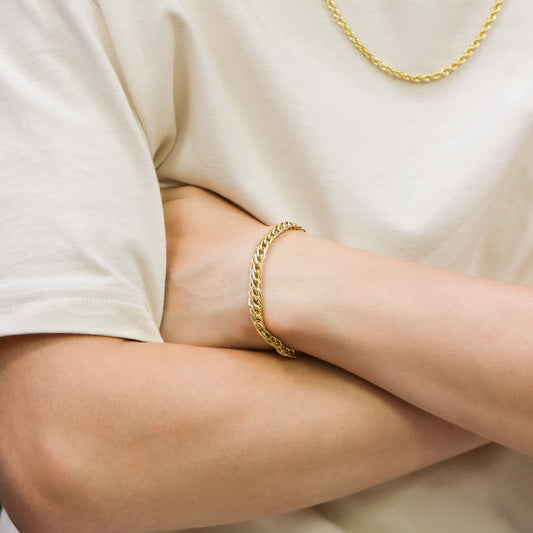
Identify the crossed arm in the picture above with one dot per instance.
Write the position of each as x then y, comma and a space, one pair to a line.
112, 435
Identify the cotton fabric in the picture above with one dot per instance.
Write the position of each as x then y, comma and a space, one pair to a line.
268, 104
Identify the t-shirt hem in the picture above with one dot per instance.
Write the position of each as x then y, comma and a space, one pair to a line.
88, 311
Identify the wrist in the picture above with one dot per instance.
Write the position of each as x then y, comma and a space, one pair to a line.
298, 289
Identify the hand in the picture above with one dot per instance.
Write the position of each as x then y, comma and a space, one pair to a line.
210, 243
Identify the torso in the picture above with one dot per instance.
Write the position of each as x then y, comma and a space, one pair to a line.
268, 104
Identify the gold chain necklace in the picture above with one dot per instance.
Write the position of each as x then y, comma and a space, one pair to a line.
416, 78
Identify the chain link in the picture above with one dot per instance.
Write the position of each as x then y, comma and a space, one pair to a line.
255, 295
416, 78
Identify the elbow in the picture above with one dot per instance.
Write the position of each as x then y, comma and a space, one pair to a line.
42, 487
47, 479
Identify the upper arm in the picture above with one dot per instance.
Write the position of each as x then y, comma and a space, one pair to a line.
82, 242
82, 245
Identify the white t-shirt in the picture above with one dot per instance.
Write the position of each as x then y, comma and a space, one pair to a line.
267, 103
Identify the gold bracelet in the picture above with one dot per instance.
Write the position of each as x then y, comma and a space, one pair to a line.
255, 297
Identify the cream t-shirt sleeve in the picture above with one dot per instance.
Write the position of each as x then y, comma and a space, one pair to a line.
82, 241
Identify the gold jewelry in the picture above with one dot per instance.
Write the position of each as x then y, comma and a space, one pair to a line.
416, 78
255, 296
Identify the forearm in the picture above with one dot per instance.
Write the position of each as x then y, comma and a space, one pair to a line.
457, 346
109, 435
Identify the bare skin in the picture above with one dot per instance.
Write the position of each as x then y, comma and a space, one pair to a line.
102, 434
456, 346
107, 435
